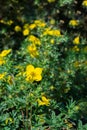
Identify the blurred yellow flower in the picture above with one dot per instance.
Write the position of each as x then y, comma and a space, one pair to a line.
33, 50
8, 120
52, 21
43, 101
5, 53
26, 26
2, 75
2, 21
52, 41
76, 64
76, 40
40, 23
34, 40
33, 74
75, 48
32, 26
10, 22
50, 1
2, 61
52, 32
26, 32
84, 3
17, 28
74, 22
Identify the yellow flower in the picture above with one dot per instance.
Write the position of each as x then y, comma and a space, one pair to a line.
75, 48
33, 74
52, 87
10, 22
43, 101
5, 53
52, 21
76, 64
8, 120
32, 26
33, 50
40, 23
52, 41
84, 3
34, 40
26, 32
74, 22
2, 61
2, 76
17, 28
50, 1
76, 40
52, 32
26, 26
2, 21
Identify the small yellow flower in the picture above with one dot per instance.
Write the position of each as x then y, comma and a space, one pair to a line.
52, 21
43, 101
52, 32
17, 28
34, 40
33, 74
75, 48
40, 23
8, 120
5, 53
84, 3
52, 41
26, 32
51, 1
76, 40
33, 50
76, 64
52, 87
2, 21
10, 22
74, 22
26, 26
32, 26
2, 76
2, 61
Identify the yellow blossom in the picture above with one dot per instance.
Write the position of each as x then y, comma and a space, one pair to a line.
73, 22
5, 53
52, 87
52, 41
76, 64
43, 101
76, 40
26, 32
2, 21
33, 50
17, 28
34, 39
8, 120
2, 75
26, 26
52, 32
50, 1
84, 3
10, 22
75, 48
2, 61
33, 74
32, 26
52, 21
40, 23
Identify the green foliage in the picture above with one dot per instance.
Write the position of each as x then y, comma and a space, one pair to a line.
43, 77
